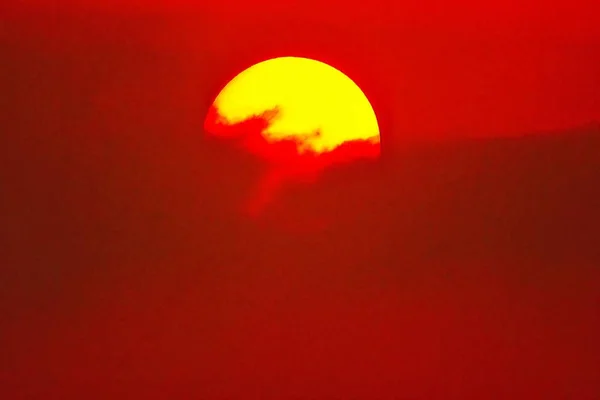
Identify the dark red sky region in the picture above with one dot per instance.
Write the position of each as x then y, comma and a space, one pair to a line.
463, 264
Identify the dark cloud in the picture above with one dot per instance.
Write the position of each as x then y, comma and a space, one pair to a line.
289, 159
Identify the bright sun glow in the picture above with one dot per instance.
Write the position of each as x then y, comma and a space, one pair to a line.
300, 115
306, 101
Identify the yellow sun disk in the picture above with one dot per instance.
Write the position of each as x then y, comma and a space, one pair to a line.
310, 96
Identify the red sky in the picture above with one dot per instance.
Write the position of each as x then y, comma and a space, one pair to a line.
436, 70
461, 270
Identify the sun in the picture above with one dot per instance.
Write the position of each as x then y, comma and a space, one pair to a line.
293, 106
300, 115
